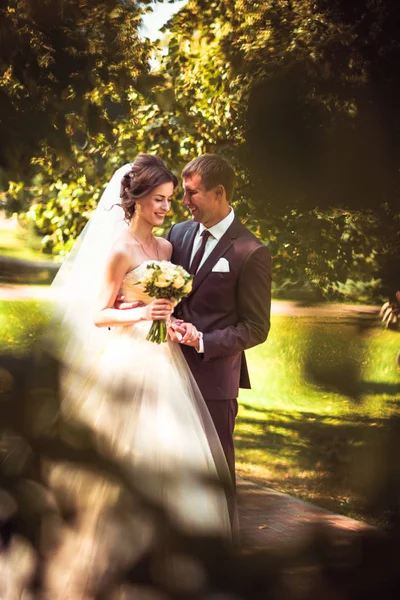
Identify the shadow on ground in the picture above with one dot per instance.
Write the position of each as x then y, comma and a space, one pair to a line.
345, 464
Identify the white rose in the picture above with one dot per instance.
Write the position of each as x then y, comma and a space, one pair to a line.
148, 274
162, 281
188, 287
178, 282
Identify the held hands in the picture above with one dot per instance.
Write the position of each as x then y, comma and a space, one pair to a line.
178, 330
184, 333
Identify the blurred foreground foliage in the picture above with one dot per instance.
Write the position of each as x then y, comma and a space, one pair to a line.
299, 96
73, 521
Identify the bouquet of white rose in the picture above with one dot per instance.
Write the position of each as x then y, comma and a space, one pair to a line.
163, 279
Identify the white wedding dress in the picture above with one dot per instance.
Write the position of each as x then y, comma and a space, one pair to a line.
138, 405
142, 403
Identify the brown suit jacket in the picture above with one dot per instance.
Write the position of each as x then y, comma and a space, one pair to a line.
231, 309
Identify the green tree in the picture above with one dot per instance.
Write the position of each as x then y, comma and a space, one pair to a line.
70, 72
67, 71
300, 95
304, 92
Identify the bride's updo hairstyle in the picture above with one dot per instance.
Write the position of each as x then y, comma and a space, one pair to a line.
147, 172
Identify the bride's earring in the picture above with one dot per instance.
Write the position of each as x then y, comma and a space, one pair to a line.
135, 211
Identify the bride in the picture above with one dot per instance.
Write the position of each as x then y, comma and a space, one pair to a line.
139, 398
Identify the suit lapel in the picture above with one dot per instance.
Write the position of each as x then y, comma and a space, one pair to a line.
187, 245
220, 249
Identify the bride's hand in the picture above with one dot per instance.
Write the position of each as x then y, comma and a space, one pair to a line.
175, 332
158, 310
184, 333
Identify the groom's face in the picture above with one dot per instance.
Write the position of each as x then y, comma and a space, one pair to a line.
202, 203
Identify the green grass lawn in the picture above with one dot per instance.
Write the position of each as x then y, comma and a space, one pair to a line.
319, 422
319, 419
21, 323
19, 243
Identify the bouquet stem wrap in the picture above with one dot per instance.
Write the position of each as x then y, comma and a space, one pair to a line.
163, 279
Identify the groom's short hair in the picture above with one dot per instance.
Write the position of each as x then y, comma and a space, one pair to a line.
213, 170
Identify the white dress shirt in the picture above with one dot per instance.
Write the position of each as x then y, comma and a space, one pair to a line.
216, 231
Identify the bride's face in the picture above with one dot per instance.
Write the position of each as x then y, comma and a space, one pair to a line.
153, 207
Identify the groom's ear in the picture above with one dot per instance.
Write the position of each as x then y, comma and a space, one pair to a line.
219, 191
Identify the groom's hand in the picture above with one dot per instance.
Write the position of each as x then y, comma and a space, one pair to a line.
184, 333
175, 331
120, 303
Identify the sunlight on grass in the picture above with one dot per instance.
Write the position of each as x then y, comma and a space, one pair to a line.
277, 367
321, 388
21, 324
19, 243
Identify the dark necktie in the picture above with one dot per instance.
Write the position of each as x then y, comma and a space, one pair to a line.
200, 252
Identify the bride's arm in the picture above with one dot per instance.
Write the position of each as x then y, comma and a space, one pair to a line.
106, 315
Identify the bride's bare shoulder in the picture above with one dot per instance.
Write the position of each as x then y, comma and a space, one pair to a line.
123, 245
165, 247
124, 250
163, 243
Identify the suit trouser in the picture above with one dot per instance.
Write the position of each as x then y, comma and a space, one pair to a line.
223, 414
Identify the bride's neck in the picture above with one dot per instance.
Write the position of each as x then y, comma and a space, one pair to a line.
141, 230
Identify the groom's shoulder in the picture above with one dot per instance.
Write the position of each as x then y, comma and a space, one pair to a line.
181, 228
246, 239
184, 225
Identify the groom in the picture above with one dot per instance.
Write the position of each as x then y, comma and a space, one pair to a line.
230, 302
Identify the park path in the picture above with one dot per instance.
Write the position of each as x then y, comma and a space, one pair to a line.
272, 520
291, 531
